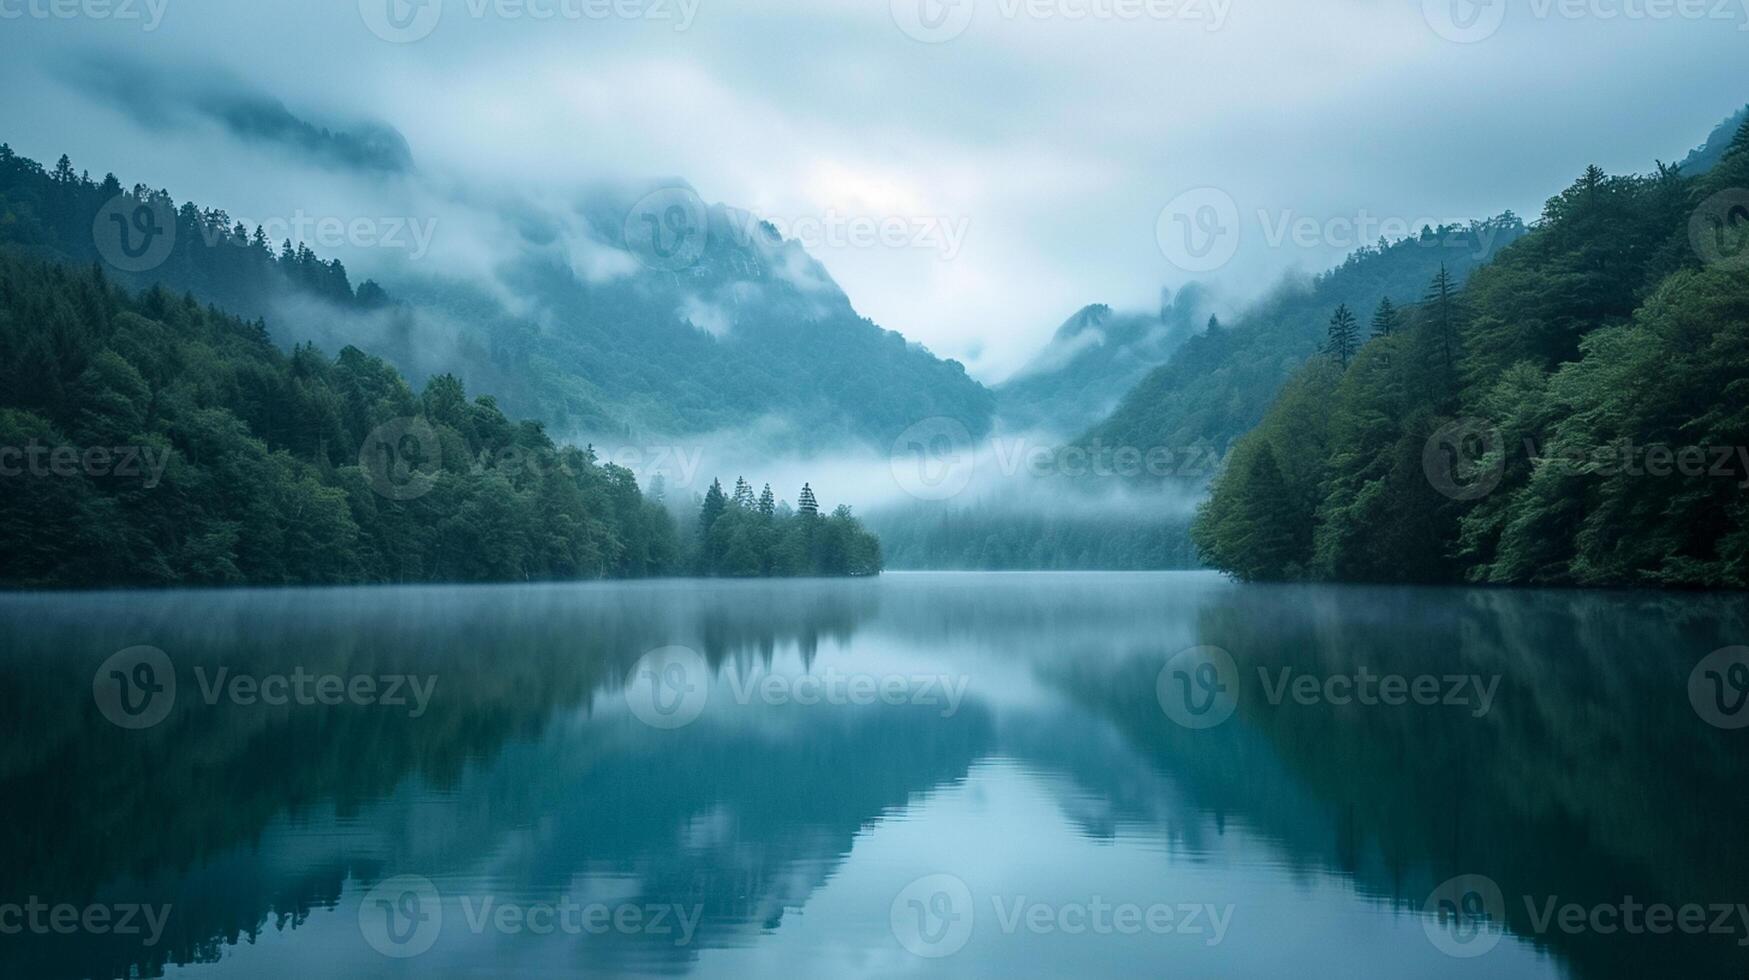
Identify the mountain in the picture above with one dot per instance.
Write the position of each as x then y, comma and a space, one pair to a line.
1218, 384
208, 456
1707, 155
1573, 416
1093, 358
638, 312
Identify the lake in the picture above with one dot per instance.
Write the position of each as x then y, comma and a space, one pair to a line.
926, 774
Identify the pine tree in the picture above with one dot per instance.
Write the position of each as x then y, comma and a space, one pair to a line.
1214, 324
1442, 296
767, 503
806, 504
1266, 533
714, 504
743, 494
1740, 142
1386, 319
1344, 335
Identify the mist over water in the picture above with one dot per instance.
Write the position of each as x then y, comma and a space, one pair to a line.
833, 744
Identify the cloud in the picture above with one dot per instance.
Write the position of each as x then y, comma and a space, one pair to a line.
161, 98
1055, 141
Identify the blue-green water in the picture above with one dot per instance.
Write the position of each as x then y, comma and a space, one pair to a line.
949, 775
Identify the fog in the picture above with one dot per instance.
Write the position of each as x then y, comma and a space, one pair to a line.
934, 468
1014, 173
1049, 137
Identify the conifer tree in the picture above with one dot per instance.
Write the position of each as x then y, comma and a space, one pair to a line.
714, 504
1386, 319
806, 504
767, 503
1740, 142
1266, 531
1344, 335
1442, 296
743, 493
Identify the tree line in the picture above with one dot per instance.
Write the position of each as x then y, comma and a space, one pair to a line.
1574, 414
741, 535
627, 361
287, 467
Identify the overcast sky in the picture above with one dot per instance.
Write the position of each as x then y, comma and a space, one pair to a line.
1018, 154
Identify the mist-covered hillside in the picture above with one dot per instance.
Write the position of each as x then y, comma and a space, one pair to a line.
1092, 359
1217, 385
637, 312
1574, 416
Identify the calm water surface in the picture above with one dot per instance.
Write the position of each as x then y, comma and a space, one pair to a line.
926, 774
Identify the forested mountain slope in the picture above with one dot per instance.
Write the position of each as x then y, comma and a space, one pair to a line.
685, 319
154, 441
1092, 359
1577, 414
1218, 384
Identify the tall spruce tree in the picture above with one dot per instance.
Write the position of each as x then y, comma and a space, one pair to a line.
767, 503
1386, 319
1442, 300
1266, 531
1343, 335
714, 505
806, 504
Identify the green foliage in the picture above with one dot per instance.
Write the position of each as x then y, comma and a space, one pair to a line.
1386, 318
212, 256
1601, 372
740, 537
1343, 335
1217, 386
1278, 454
248, 459
754, 331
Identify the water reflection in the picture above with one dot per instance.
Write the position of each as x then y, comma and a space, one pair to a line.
528, 779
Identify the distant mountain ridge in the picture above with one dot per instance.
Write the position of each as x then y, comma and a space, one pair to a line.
1707, 155
1092, 359
1218, 384
643, 313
